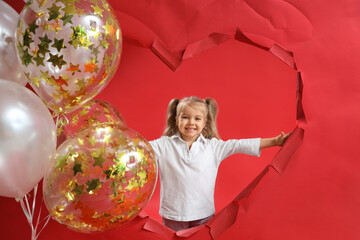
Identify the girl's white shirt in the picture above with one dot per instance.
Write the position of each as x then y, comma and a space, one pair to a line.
187, 177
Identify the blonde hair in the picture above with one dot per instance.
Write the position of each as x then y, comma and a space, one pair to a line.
210, 111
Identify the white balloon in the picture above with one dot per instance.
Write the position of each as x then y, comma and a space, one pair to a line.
27, 139
10, 68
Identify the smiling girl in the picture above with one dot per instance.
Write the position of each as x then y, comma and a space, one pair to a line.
189, 154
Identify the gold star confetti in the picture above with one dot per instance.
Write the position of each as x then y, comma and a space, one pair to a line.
26, 38
81, 83
45, 41
41, 2
54, 12
84, 112
55, 26
132, 184
92, 141
67, 19
78, 189
26, 58
104, 43
35, 81
57, 60
79, 37
58, 44
93, 185
33, 27
95, 51
109, 28
97, 10
39, 60
77, 168
99, 160
61, 161
45, 75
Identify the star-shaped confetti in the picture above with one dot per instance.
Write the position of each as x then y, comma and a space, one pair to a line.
33, 27
99, 160
111, 173
92, 141
107, 138
97, 10
54, 12
55, 26
42, 50
83, 112
95, 51
132, 184
73, 68
78, 189
104, 43
81, 83
109, 28
69, 8
58, 44
67, 19
39, 60
93, 185
61, 161
35, 81
26, 38
77, 168
40, 2
57, 60
79, 37
26, 58
45, 41
45, 75
90, 67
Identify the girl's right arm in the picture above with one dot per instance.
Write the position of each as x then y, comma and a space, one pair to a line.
275, 141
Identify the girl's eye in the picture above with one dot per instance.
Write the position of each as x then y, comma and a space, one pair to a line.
184, 117
197, 119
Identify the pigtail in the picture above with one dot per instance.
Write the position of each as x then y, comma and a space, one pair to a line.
210, 129
171, 127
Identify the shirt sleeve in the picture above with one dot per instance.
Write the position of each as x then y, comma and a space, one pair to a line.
155, 144
223, 149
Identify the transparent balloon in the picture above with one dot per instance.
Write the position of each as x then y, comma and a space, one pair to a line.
101, 178
69, 50
10, 68
92, 113
27, 139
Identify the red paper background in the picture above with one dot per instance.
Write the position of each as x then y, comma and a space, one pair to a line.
316, 196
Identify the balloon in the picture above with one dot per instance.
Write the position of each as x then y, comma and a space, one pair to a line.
69, 50
90, 114
10, 68
101, 178
27, 139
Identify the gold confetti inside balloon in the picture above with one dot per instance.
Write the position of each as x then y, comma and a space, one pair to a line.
101, 178
92, 113
69, 49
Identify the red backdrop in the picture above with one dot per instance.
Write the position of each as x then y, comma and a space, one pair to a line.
176, 49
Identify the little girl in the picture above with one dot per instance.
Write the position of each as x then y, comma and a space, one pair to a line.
189, 154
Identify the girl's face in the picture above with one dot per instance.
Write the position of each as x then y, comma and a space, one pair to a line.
190, 122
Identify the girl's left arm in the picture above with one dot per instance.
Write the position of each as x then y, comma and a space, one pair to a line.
275, 141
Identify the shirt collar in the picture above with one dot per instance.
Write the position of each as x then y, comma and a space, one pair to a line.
200, 138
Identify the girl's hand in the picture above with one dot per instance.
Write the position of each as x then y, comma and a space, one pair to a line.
275, 141
281, 139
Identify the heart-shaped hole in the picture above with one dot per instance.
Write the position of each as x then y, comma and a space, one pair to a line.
255, 91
